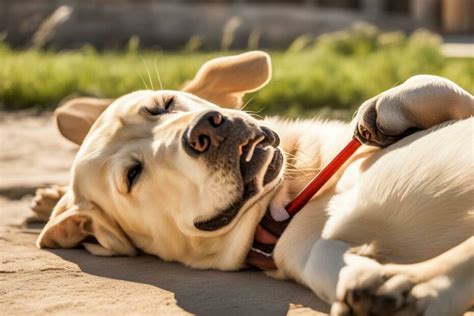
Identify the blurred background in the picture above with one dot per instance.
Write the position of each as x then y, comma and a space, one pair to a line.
328, 55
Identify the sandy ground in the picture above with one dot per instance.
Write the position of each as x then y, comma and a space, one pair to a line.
32, 153
73, 282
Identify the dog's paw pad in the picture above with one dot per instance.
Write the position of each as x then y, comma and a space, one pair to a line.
357, 283
368, 288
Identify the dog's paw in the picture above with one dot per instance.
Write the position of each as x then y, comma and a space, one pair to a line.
381, 121
44, 201
368, 288
421, 102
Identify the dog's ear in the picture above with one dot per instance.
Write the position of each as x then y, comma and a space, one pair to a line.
225, 80
75, 117
71, 223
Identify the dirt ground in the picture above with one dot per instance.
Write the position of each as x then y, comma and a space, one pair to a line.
73, 282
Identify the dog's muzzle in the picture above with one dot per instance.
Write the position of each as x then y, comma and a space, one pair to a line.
243, 145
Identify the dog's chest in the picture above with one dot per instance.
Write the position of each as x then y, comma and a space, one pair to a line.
351, 175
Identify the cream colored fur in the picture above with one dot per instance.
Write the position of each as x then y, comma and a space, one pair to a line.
391, 231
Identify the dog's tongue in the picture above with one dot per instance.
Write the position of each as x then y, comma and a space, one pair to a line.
264, 237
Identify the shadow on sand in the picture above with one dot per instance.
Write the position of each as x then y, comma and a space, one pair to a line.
201, 292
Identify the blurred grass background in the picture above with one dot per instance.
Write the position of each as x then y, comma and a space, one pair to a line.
329, 76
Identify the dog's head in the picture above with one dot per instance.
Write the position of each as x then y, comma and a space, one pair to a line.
173, 174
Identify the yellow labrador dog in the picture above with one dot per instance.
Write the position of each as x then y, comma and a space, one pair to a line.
187, 176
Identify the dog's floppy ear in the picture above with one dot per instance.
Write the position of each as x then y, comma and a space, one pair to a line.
225, 80
75, 117
71, 223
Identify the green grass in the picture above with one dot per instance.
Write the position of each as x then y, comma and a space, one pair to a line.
330, 76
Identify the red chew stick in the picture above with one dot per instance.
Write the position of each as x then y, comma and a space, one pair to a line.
322, 177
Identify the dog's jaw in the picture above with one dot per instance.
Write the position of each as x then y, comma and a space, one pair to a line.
233, 242
259, 180
251, 189
236, 243
250, 153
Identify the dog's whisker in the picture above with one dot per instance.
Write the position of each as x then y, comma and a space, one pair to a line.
289, 154
158, 73
253, 114
297, 157
252, 111
301, 170
300, 164
298, 153
261, 109
144, 83
256, 116
148, 72
299, 160
248, 102
296, 174
298, 170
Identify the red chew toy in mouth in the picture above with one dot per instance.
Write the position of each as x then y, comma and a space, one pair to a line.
322, 177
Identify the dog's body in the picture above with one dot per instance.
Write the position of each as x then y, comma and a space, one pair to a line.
385, 200
207, 175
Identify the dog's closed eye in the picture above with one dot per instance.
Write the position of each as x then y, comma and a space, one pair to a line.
158, 108
133, 173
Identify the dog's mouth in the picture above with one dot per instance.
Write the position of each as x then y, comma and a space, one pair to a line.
253, 158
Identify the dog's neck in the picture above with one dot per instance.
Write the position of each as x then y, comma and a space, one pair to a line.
308, 146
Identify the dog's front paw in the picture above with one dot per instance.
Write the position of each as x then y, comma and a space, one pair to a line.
44, 201
421, 102
380, 121
368, 288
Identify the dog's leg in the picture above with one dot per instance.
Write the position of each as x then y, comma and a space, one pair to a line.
318, 265
44, 201
443, 285
322, 268
302, 254
421, 102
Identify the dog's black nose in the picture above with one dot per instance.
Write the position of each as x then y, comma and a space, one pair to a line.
207, 131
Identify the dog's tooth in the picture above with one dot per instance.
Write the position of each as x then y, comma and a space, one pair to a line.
279, 214
252, 148
241, 148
